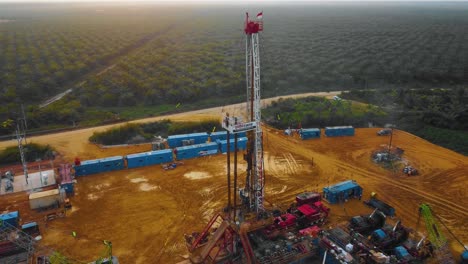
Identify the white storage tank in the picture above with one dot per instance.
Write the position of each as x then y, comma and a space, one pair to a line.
44, 199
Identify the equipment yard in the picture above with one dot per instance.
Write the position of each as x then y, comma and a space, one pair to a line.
146, 211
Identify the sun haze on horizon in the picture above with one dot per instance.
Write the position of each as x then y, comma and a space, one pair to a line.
215, 1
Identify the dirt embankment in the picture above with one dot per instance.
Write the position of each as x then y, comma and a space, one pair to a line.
146, 211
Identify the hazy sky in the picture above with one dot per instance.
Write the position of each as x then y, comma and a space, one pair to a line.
227, 1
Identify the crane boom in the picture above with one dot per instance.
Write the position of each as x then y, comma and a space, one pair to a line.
437, 239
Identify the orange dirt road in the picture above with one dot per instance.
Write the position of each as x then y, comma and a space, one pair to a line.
146, 211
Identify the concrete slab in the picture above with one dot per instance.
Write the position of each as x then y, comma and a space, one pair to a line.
35, 180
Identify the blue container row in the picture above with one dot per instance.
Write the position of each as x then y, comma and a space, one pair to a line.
339, 131
241, 144
309, 133
149, 158
88, 167
193, 151
175, 141
222, 135
342, 191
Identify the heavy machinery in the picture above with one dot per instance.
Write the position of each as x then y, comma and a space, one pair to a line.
367, 224
437, 239
382, 206
388, 237
107, 257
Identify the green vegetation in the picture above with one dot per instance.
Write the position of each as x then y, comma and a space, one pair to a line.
438, 115
452, 139
125, 62
139, 133
321, 112
32, 152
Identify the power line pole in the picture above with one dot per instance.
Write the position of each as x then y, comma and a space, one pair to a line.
24, 123
20, 135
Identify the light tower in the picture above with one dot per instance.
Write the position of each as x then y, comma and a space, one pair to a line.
253, 193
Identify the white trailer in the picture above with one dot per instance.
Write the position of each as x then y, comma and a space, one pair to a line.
44, 199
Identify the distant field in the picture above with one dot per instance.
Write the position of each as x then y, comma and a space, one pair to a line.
145, 55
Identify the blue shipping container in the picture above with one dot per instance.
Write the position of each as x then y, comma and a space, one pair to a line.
241, 144
222, 135
69, 187
111, 164
342, 191
309, 133
189, 152
88, 167
339, 131
175, 141
11, 218
401, 252
136, 160
149, 158
159, 157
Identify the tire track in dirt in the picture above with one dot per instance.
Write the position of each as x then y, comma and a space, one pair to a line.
443, 203
435, 199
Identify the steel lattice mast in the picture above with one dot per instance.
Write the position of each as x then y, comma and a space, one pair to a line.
252, 63
253, 194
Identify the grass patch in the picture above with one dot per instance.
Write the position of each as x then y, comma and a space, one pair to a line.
320, 112
140, 133
32, 152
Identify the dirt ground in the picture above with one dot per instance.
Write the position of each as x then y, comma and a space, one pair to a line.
146, 211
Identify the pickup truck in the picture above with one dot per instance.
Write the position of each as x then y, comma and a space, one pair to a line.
384, 132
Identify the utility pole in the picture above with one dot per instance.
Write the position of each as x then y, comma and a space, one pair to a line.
391, 138
24, 123
20, 135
